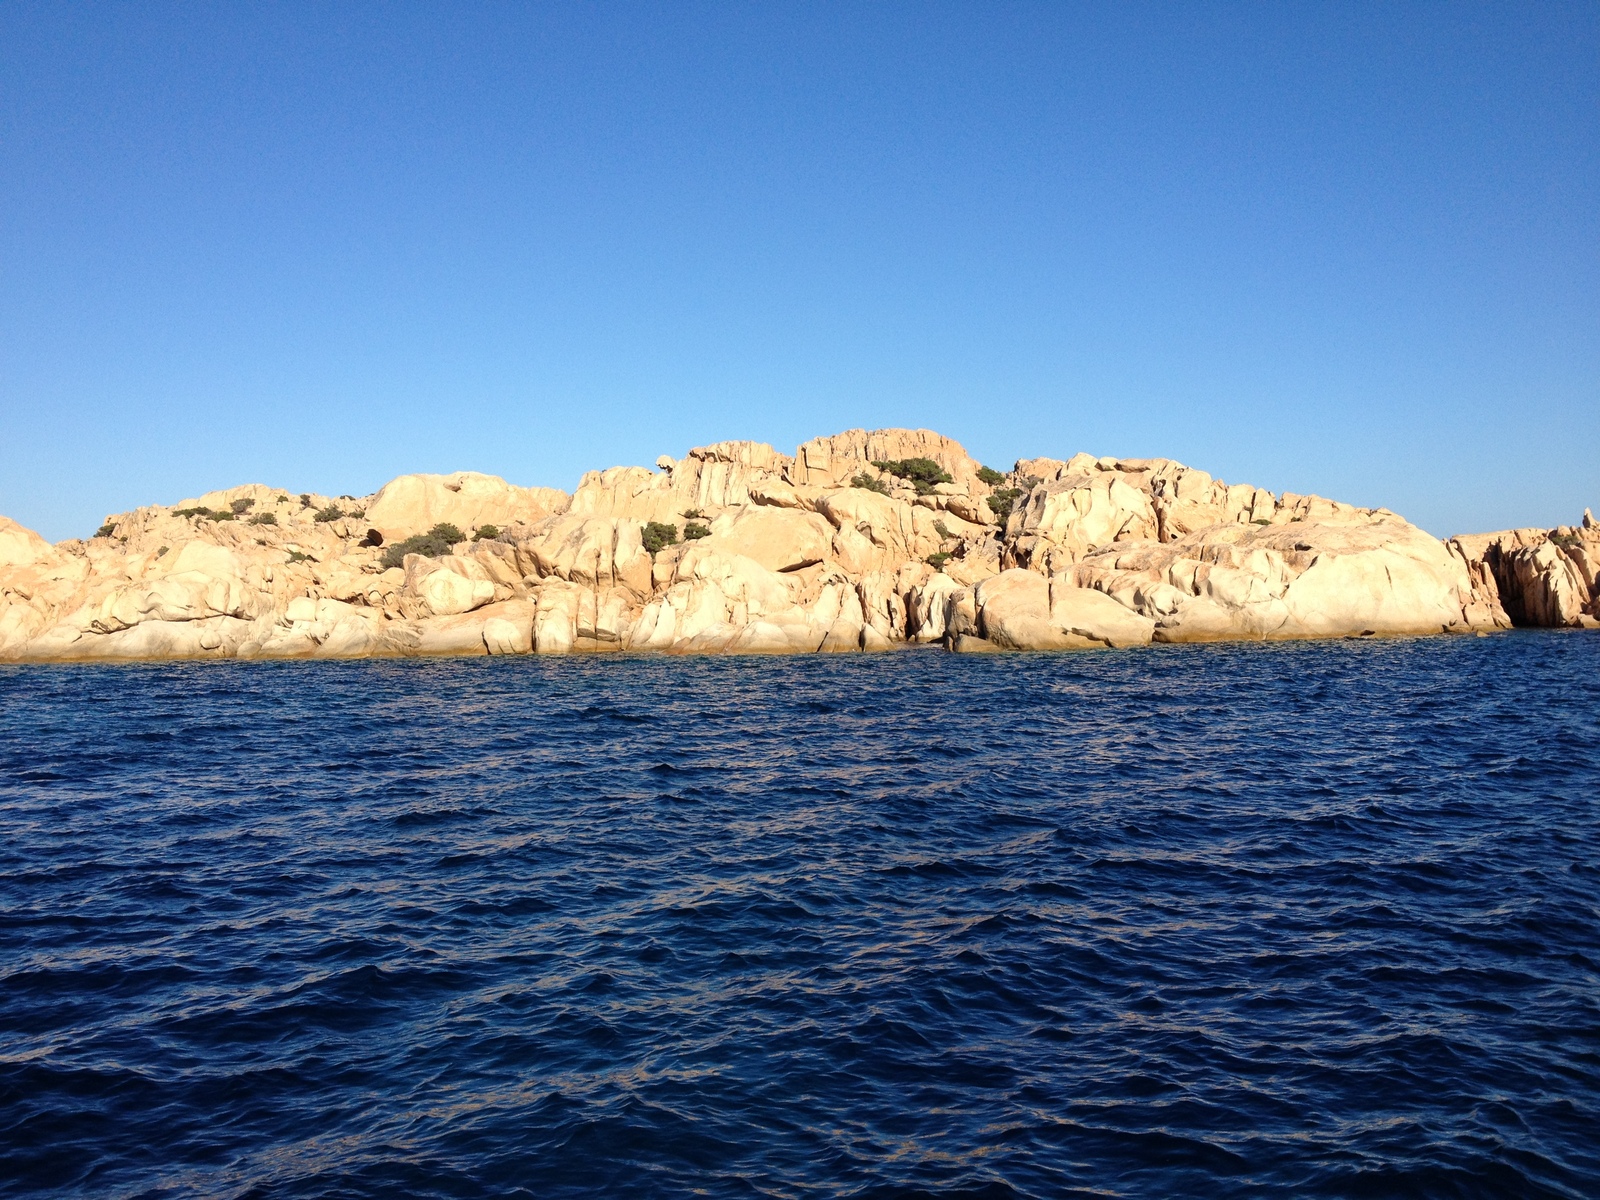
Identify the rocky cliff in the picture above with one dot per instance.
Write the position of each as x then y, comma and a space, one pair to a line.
861, 541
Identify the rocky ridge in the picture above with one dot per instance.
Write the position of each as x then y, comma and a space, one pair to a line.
860, 541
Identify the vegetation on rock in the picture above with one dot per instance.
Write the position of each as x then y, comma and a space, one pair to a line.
332, 513
434, 544
870, 483
209, 514
264, 519
990, 476
693, 531
658, 535
1001, 503
486, 533
242, 506
920, 473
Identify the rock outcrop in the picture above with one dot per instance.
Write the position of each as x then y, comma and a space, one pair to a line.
1541, 577
860, 541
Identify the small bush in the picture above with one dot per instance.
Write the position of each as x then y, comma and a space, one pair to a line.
1567, 541
657, 536
162, 551
937, 561
264, 519
942, 530
870, 484
434, 544
296, 556
1261, 521
305, 499
242, 506
694, 514
990, 476
106, 530
1002, 502
693, 532
332, 513
920, 473
208, 514
486, 533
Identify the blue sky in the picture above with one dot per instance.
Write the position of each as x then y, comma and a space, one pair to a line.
1345, 249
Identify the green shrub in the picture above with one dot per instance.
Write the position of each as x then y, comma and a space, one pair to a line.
434, 544
264, 519
1002, 502
870, 483
106, 530
332, 513
1567, 541
305, 499
242, 506
657, 536
209, 514
1262, 521
990, 476
162, 551
485, 533
942, 530
937, 561
694, 514
693, 532
920, 473
296, 556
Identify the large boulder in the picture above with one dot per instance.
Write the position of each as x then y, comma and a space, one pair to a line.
780, 539
1356, 574
1021, 610
413, 504
834, 461
22, 547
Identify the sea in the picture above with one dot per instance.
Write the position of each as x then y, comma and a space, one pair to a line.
1308, 919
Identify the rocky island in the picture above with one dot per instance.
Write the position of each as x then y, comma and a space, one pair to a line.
858, 542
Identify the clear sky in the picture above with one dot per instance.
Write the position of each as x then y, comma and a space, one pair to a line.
1345, 249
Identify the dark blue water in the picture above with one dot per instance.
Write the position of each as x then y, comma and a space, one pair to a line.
1296, 920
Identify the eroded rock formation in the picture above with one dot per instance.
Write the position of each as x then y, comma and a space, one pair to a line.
1542, 577
861, 541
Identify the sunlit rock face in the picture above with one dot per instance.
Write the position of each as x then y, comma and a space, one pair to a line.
857, 542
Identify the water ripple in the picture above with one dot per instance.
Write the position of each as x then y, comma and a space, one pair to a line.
1311, 920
